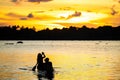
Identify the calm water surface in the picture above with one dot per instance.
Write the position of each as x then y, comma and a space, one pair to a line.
72, 60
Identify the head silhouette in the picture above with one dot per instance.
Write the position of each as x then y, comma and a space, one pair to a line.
39, 54
42, 52
46, 59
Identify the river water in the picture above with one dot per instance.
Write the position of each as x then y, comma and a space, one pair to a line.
72, 60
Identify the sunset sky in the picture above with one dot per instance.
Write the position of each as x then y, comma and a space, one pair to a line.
59, 13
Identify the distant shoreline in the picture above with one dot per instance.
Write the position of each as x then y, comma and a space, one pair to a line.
71, 33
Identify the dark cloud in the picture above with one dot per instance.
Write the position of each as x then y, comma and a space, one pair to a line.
39, 11
14, 0
5, 19
75, 14
34, 0
114, 12
117, 1
17, 16
113, 9
23, 18
39, 0
13, 15
18, 1
45, 0
30, 15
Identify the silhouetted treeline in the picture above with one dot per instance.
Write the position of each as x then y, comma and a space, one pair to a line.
71, 33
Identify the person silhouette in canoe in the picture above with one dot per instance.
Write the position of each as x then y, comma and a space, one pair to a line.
48, 71
39, 63
48, 67
45, 69
40, 57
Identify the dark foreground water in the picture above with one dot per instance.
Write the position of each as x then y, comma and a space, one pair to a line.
72, 60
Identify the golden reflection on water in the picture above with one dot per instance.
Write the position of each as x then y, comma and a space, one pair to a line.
87, 66
68, 66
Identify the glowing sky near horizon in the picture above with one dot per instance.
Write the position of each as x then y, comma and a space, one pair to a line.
59, 13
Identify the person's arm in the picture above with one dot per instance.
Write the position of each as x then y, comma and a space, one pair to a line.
43, 55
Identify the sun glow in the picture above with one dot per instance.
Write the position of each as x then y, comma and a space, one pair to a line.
87, 17
40, 13
84, 17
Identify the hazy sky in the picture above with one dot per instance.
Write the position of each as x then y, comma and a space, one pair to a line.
59, 13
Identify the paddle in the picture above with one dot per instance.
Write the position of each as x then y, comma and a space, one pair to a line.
34, 67
42, 56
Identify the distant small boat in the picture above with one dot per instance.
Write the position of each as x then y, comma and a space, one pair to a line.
19, 42
9, 43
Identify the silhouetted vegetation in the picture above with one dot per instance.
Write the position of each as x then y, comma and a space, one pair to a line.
71, 33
